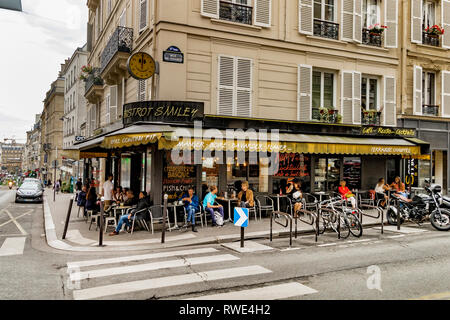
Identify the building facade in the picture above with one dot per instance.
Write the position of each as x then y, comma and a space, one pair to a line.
11, 156
32, 147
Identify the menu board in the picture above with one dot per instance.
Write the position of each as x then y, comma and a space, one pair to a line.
177, 179
411, 173
293, 165
352, 173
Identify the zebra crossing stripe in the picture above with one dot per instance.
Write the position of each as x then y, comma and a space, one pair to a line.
77, 276
141, 285
12, 246
97, 262
280, 291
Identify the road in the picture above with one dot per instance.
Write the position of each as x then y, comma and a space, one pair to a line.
395, 265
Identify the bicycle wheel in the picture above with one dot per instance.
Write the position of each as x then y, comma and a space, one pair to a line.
343, 227
323, 222
354, 225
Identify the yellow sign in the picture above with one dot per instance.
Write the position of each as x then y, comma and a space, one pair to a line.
419, 156
90, 155
388, 131
141, 66
128, 140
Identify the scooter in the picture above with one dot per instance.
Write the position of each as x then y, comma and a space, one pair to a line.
10, 185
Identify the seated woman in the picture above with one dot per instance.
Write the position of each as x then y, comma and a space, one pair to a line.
245, 196
81, 199
126, 218
296, 195
381, 188
346, 194
91, 200
400, 189
117, 195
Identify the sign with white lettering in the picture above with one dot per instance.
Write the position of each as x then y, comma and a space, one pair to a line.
173, 54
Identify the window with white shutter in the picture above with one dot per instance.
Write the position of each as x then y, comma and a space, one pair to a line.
445, 15
108, 104
263, 13
357, 21
235, 86
445, 94
356, 97
305, 16
390, 106
416, 21
142, 14
304, 89
391, 21
347, 97
210, 8
417, 90
142, 88
347, 20
113, 103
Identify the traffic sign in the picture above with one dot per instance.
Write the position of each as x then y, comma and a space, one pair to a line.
241, 217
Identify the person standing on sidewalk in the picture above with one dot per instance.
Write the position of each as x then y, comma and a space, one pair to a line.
108, 188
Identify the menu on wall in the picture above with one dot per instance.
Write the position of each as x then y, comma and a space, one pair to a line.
293, 165
177, 179
411, 179
352, 173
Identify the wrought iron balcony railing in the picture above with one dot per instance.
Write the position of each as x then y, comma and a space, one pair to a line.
235, 12
326, 29
371, 38
93, 79
430, 110
120, 41
370, 118
430, 39
325, 115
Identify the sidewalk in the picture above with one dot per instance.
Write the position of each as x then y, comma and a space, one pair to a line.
80, 238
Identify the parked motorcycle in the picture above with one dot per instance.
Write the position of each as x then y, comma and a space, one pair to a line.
422, 206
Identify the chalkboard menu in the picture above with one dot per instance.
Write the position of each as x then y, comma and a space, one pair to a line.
293, 165
352, 173
177, 178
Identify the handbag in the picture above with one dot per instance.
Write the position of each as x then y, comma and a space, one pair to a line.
297, 195
218, 217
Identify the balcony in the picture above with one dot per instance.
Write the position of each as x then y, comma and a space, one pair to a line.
93, 86
371, 118
326, 29
114, 57
235, 12
430, 39
371, 39
430, 110
325, 115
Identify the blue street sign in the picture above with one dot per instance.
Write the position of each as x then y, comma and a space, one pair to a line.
241, 217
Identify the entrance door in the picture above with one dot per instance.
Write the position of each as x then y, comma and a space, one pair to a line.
136, 173
327, 173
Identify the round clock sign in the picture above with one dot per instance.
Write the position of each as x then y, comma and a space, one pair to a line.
141, 66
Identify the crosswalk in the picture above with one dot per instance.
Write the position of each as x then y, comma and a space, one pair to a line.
13, 246
149, 273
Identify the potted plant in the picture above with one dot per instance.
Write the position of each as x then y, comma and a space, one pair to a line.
434, 31
376, 29
85, 72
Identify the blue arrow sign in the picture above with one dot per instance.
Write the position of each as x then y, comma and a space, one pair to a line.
241, 217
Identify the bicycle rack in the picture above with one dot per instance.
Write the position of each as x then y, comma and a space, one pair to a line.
288, 218
313, 220
368, 206
331, 211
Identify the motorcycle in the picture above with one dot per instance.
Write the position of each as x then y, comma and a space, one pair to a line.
10, 185
422, 206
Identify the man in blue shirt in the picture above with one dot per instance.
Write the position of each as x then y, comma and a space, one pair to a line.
191, 204
208, 203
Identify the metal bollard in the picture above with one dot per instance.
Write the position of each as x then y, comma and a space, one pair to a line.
163, 234
398, 216
271, 218
69, 211
100, 235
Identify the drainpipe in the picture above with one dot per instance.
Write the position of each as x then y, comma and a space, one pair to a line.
155, 9
403, 57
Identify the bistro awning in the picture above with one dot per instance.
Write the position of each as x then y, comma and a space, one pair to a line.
135, 135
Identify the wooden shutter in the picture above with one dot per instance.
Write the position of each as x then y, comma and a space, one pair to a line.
356, 97
347, 96
390, 106
445, 94
416, 21
142, 14
210, 8
417, 90
226, 86
445, 15
391, 21
357, 21
243, 87
305, 16
142, 88
89, 37
304, 93
263, 13
347, 20
113, 103
108, 104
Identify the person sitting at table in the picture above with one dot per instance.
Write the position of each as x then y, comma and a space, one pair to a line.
400, 189
381, 188
126, 218
209, 205
296, 195
131, 200
117, 195
81, 199
91, 200
191, 204
245, 196
283, 187
346, 194
124, 194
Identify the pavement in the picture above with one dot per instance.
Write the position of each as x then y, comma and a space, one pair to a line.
80, 238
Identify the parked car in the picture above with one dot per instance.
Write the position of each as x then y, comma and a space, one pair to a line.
33, 180
30, 191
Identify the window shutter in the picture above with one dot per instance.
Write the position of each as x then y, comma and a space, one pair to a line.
357, 21
347, 97
416, 21
305, 16
356, 97
142, 87
445, 15
417, 91
123, 18
391, 21
210, 8
243, 87
304, 93
263, 13
142, 14
347, 20
113, 103
445, 94
108, 104
226, 86
390, 107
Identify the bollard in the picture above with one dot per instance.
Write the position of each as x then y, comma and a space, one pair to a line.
66, 225
242, 237
339, 226
271, 218
398, 217
163, 233
100, 235
382, 221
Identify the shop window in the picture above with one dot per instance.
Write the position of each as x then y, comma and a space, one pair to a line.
293, 165
327, 173
177, 178
125, 172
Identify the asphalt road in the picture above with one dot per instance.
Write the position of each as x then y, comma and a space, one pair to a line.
389, 266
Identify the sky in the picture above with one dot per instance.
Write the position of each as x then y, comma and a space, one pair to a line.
34, 44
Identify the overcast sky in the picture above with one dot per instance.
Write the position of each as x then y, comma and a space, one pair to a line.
34, 43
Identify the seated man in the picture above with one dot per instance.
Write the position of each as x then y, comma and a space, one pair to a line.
347, 194
245, 196
191, 204
81, 199
142, 204
208, 203
131, 200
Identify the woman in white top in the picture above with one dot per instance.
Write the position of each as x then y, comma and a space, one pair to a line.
381, 187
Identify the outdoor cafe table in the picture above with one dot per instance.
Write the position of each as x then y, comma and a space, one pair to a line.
122, 210
228, 202
276, 198
174, 207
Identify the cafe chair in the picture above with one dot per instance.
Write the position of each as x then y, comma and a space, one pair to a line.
197, 214
108, 224
310, 202
156, 216
94, 217
140, 218
264, 203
